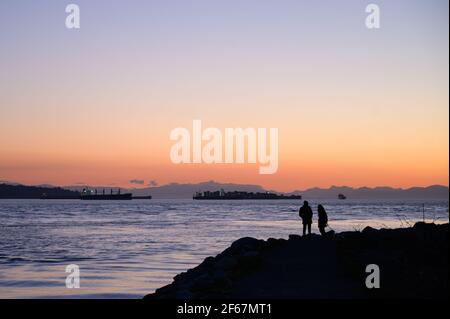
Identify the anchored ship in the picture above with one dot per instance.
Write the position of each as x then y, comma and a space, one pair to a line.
222, 195
89, 194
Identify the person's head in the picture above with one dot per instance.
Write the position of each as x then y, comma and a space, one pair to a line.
305, 203
320, 209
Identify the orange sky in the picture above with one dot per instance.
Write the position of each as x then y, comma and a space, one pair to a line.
353, 106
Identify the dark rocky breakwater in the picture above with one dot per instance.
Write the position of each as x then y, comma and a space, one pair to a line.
413, 263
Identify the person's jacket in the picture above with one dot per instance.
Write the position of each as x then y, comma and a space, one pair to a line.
323, 218
306, 214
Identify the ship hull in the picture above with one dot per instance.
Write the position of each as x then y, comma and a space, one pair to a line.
245, 197
142, 197
107, 197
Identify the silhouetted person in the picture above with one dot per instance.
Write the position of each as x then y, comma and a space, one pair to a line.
323, 219
306, 214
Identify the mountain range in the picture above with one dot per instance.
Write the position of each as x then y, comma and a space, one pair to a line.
182, 191
187, 190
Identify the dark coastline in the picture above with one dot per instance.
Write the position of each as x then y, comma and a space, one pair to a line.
413, 263
35, 192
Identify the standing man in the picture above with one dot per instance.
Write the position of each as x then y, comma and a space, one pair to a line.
306, 214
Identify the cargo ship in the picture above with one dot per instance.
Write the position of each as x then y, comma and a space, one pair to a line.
88, 194
222, 195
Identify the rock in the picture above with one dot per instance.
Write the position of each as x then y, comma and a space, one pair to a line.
183, 294
226, 263
369, 230
248, 261
202, 283
421, 226
208, 261
219, 274
247, 243
249, 254
414, 262
349, 236
330, 234
164, 289
313, 237
221, 280
272, 242
180, 276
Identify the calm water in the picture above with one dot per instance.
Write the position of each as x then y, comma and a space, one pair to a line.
128, 249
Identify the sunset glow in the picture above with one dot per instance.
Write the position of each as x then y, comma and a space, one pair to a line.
353, 107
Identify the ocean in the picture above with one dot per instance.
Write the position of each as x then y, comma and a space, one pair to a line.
126, 249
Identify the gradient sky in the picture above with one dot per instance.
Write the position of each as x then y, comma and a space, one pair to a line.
353, 106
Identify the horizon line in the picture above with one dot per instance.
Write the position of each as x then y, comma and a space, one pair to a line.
224, 183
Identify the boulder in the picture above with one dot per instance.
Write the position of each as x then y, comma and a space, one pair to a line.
226, 263
295, 237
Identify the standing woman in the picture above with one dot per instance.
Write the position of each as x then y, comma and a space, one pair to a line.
323, 219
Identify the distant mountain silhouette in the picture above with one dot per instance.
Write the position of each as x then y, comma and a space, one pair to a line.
185, 191
175, 190
430, 192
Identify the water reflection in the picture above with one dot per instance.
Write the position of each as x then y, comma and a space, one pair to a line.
129, 249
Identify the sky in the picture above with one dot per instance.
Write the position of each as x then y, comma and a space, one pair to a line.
353, 106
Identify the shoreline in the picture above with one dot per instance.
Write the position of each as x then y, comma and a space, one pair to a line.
413, 263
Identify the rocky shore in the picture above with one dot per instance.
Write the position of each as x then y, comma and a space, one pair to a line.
413, 263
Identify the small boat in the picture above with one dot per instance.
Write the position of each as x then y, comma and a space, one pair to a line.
342, 196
